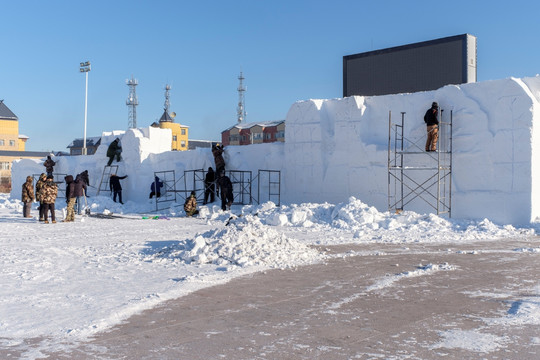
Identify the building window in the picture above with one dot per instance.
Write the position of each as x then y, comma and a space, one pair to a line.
267, 136
2, 143
183, 132
257, 136
233, 138
183, 143
174, 138
280, 134
4, 165
11, 142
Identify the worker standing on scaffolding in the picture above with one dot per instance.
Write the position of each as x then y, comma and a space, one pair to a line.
218, 151
432, 122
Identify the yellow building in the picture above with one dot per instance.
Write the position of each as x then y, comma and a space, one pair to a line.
9, 130
12, 146
179, 132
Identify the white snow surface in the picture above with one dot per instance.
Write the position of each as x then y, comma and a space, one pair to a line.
64, 282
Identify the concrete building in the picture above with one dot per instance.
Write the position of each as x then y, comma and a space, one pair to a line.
254, 133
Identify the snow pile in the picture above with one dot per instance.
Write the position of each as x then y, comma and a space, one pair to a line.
244, 242
368, 224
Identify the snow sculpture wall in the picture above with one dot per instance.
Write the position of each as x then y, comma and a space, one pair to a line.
338, 148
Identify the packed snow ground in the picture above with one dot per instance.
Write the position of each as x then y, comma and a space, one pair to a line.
64, 282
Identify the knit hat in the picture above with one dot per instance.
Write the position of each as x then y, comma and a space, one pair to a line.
434, 105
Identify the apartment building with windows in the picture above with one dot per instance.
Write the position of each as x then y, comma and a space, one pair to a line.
254, 133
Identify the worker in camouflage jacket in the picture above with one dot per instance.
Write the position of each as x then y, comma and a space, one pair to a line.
49, 193
190, 206
49, 163
39, 193
27, 196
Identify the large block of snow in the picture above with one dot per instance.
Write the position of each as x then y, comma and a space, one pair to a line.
495, 148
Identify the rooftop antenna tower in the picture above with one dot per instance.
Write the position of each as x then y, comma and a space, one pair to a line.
241, 109
167, 103
132, 102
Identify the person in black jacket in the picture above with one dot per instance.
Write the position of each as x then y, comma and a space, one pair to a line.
226, 187
86, 180
70, 198
116, 188
432, 122
209, 186
155, 187
114, 149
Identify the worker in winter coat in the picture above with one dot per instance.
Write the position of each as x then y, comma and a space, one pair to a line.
190, 206
209, 186
86, 180
39, 194
116, 188
79, 192
70, 198
49, 163
49, 193
155, 187
114, 149
27, 196
218, 151
432, 122
226, 188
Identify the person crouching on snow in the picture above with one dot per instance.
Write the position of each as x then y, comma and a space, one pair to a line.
190, 206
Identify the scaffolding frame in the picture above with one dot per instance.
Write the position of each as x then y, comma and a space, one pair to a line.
273, 185
105, 177
414, 174
193, 180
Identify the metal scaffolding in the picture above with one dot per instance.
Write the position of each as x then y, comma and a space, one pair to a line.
105, 177
415, 175
178, 189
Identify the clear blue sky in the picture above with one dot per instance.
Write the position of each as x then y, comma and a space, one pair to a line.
287, 50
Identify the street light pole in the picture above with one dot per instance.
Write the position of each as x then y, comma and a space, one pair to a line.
85, 68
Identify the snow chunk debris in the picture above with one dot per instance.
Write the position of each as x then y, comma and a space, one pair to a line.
245, 242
